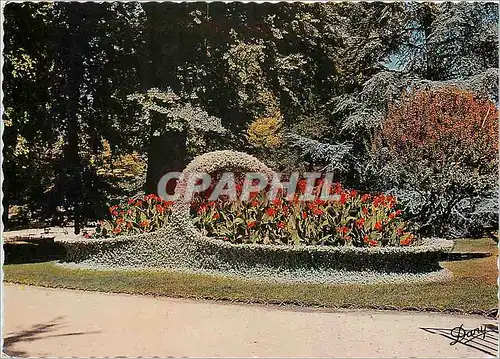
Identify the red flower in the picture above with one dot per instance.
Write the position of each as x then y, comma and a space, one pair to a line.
255, 203
304, 215
138, 203
131, 201
353, 193
407, 241
365, 197
395, 214
149, 196
281, 225
318, 212
277, 202
343, 198
302, 185
253, 194
366, 239
320, 182
159, 208
270, 212
114, 213
251, 224
144, 223
391, 201
360, 223
337, 189
378, 226
344, 230
364, 210
319, 202
202, 209
379, 200
117, 230
373, 243
216, 215
208, 193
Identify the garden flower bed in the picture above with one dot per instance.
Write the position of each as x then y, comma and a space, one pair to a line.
354, 233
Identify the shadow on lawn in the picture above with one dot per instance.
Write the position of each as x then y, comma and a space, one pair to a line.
456, 256
36, 332
487, 345
32, 250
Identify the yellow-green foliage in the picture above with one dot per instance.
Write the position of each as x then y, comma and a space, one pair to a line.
21, 148
266, 132
22, 64
121, 167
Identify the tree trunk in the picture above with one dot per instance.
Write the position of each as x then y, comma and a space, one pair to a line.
74, 42
167, 152
74, 175
5, 202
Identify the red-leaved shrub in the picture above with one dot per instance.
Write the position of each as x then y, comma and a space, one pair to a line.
439, 147
444, 125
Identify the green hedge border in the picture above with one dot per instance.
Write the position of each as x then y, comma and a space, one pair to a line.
168, 248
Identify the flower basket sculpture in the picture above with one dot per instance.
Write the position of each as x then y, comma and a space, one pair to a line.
181, 246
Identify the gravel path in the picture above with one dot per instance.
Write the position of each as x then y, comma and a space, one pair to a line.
40, 322
47, 232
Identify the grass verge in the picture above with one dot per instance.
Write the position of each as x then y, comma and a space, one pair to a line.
473, 287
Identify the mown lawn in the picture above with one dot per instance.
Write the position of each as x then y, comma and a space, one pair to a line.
472, 288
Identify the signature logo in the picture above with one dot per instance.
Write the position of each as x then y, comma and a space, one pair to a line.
463, 336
